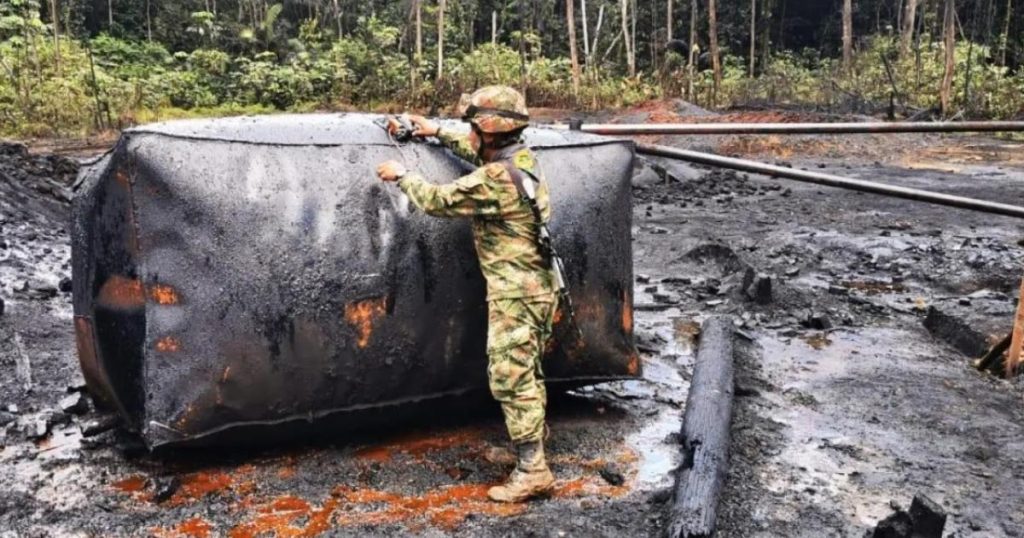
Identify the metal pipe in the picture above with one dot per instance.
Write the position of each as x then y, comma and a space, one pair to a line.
832, 181
798, 128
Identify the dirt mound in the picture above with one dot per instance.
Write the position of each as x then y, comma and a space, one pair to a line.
34, 186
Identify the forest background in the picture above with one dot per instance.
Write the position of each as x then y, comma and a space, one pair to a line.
77, 67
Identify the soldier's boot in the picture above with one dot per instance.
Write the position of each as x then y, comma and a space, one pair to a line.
530, 478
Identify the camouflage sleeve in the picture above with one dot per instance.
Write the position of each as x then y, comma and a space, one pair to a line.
459, 144
469, 196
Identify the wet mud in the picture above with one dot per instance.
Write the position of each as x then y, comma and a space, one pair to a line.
845, 401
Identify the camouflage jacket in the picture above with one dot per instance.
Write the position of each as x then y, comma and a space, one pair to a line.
504, 229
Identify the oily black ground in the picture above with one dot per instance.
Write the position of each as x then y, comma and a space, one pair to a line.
845, 402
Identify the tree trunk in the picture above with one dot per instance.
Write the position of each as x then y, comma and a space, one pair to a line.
753, 36
907, 35
337, 17
414, 68
766, 33
586, 32
847, 36
692, 52
633, 35
1004, 38
668, 20
716, 64
597, 31
950, 45
523, 81
419, 32
494, 27
55, 15
149, 22
440, 38
110, 14
574, 60
630, 58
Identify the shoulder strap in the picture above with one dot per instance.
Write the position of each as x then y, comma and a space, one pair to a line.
529, 194
527, 190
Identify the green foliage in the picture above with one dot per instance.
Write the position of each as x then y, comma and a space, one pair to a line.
252, 57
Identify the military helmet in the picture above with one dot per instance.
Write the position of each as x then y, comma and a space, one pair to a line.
495, 109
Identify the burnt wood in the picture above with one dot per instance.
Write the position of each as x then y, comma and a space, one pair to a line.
705, 434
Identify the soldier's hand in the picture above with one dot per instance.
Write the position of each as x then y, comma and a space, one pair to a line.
390, 171
393, 126
423, 126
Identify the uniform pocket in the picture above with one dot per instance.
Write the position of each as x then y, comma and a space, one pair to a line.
500, 339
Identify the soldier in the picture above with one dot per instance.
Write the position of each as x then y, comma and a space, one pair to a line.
521, 289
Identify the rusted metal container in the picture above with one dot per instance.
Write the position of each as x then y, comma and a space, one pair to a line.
238, 275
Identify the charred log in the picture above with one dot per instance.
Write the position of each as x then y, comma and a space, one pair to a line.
705, 434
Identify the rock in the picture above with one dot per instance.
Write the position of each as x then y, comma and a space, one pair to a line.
660, 496
760, 290
666, 298
643, 279
13, 409
896, 525
748, 279
74, 404
792, 271
6, 418
65, 285
165, 488
611, 475
928, 517
817, 321
99, 425
1, 306
37, 290
37, 429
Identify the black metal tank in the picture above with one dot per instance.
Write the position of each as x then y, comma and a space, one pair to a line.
237, 275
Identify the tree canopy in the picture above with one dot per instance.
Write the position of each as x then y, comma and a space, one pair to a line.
74, 66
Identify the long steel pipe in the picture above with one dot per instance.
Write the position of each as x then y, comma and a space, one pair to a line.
832, 181
798, 128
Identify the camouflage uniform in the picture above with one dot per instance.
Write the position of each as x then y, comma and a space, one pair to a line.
521, 292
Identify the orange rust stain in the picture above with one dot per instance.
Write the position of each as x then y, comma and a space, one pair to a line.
195, 486
634, 364
590, 309
168, 344
196, 527
557, 317
122, 178
361, 315
132, 484
445, 507
585, 487
282, 517
286, 472
627, 318
163, 294
122, 293
419, 445
287, 503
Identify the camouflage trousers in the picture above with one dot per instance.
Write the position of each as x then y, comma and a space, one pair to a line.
517, 333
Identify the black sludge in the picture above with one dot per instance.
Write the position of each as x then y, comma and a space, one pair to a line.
255, 272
